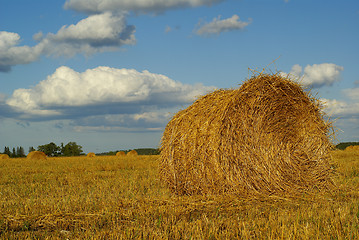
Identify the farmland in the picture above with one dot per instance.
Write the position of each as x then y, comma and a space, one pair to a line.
108, 197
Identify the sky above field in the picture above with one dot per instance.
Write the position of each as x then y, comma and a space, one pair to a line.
110, 74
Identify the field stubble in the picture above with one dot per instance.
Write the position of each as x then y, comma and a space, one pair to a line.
122, 198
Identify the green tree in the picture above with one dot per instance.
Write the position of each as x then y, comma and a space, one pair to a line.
50, 149
31, 149
7, 151
71, 149
20, 152
344, 145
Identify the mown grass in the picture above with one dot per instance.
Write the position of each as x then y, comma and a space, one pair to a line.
122, 198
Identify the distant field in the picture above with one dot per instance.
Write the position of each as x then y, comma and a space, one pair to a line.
106, 197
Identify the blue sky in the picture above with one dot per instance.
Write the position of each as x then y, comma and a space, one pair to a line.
110, 74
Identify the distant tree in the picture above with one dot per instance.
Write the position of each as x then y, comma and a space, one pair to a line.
50, 149
20, 152
31, 149
7, 151
71, 149
13, 154
147, 151
344, 145
140, 151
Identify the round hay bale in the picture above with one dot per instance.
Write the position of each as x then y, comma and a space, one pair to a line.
267, 137
353, 148
120, 154
91, 154
4, 156
36, 155
132, 153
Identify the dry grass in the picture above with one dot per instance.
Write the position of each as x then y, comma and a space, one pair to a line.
105, 197
266, 137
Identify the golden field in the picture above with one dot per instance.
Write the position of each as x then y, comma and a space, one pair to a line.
108, 197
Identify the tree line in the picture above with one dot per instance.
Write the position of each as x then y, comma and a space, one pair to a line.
73, 149
18, 152
344, 145
140, 151
50, 149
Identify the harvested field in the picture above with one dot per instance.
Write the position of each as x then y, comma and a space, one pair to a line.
111, 198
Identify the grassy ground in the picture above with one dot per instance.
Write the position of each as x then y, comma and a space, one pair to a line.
122, 198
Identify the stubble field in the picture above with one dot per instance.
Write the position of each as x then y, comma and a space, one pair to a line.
107, 197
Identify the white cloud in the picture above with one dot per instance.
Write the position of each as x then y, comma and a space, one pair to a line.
168, 29
95, 6
316, 75
96, 33
153, 117
101, 90
218, 25
296, 70
2, 98
345, 116
11, 54
145, 121
8, 39
338, 108
38, 36
353, 93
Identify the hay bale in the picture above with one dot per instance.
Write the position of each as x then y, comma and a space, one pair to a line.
91, 154
120, 154
36, 155
4, 156
266, 137
353, 148
132, 153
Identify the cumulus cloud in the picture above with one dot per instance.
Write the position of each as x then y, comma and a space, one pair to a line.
353, 93
11, 54
96, 33
341, 109
346, 115
146, 121
317, 75
219, 25
102, 90
144, 6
